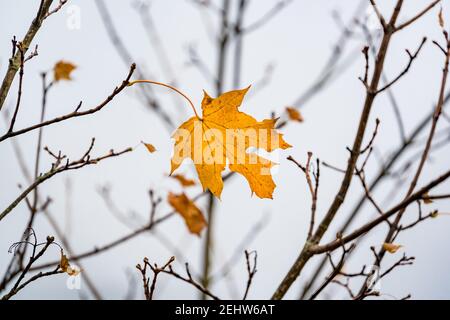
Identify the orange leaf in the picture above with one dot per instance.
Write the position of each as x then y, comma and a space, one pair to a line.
189, 211
62, 70
294, 114
151, 148
185, 182
64, 263
224, 133
390, 247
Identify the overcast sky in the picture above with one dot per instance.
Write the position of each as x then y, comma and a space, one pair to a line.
296, 43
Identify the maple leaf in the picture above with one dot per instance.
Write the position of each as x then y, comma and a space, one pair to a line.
62, 70
294, 114
390, 247
191, 214
151, 148
185, 182
225, 133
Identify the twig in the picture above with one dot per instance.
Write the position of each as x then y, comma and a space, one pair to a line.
76, 113
126, 57
267, 16
367, 227
58, 168
313, 189
19, 93
335, 272
379, 15
412, 57
251, 270
149, 291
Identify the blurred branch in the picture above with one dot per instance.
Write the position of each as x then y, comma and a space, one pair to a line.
126, 57
58, 167
245, 242
332, 67
121, 240
222, 50
281, 4
238, 47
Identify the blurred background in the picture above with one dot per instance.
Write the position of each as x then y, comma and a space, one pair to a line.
305, 54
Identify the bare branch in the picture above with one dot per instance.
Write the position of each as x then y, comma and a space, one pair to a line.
416, 17
76, 113
251, 270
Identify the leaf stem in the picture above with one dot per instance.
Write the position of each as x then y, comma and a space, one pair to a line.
170, 87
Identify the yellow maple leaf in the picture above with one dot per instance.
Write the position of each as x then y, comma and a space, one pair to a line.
390, 247
185, 182
151, 148
294, 114
225, 133
191, 214
62, 70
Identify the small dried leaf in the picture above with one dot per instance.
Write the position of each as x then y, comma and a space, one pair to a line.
151, 148
64, 263
434, 214
441, 18
390, 247
189, 211
62, 70
185, 182
294, 114
426, 199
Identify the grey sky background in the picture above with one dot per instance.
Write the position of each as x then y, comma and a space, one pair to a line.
297, 42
